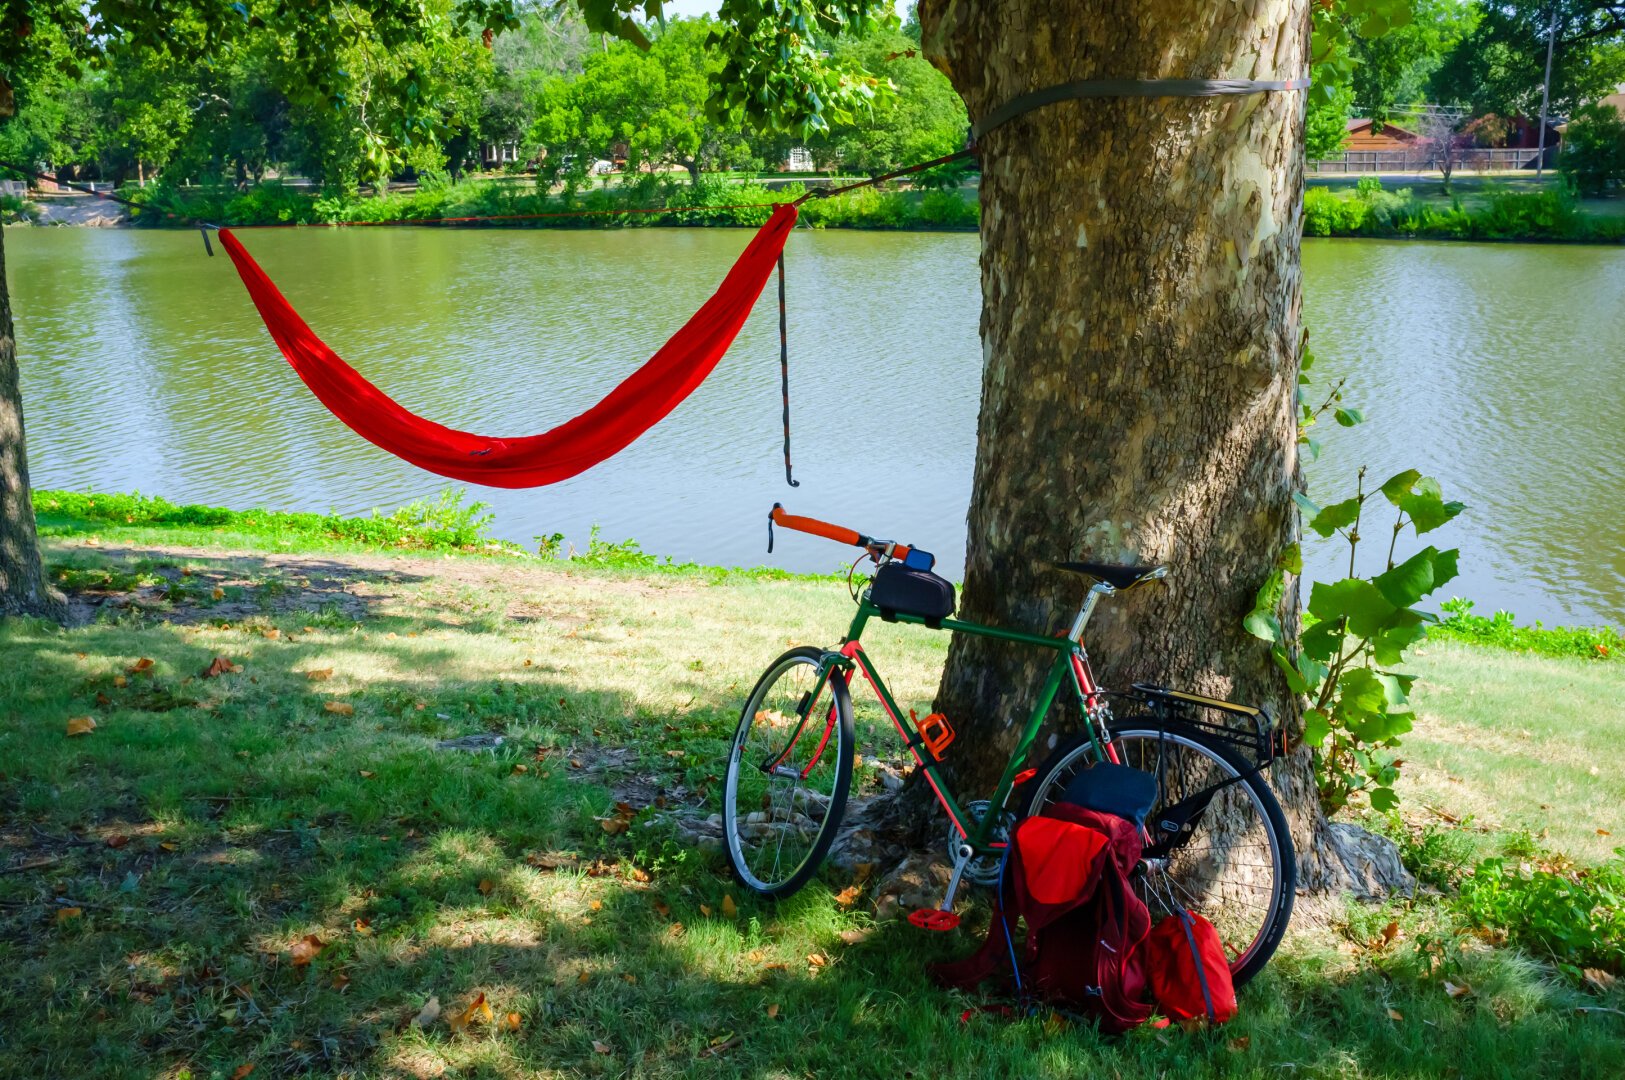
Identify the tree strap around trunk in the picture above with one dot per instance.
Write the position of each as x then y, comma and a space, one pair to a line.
1101, 88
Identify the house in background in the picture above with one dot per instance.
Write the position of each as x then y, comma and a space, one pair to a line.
800, 160
1391, 139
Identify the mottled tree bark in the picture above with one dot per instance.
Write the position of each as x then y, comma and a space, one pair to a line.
1141, 288
23, 589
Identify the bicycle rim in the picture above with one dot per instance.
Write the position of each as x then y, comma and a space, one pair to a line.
788, 773
1237, 867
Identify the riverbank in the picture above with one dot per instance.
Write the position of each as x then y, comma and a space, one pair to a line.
713, 201
1483, 211
265, 853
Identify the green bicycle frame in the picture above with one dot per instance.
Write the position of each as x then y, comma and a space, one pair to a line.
1071, 664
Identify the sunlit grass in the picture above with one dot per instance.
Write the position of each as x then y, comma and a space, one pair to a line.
209, 824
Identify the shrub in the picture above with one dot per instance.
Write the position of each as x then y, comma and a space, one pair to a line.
1327, 214
1544, 215
15, 208
1594, 150
950, 208
1574, 915
1501, 629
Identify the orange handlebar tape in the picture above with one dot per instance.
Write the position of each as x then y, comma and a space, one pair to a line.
817, 528
838, 533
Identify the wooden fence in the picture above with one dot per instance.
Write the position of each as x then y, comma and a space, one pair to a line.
1427, 160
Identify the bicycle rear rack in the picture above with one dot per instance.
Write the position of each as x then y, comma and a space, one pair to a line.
1259, 739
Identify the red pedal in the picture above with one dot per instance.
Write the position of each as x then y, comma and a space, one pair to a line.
931, 918
1023, 776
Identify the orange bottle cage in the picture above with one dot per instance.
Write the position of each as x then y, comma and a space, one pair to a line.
935, 733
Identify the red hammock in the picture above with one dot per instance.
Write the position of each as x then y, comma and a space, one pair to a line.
636, 405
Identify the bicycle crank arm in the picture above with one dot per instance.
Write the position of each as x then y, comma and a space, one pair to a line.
943, 916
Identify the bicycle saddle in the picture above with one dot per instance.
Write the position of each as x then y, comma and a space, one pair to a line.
1118, 577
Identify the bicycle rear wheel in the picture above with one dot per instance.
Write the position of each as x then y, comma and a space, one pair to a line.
789, 771
1235, 867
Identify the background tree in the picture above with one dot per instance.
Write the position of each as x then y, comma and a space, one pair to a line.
1325, 127
43, 41
1394, 68
653, 102
920, 117
1594, 150
1500, 65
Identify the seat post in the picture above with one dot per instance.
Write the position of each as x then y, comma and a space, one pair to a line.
1096, 591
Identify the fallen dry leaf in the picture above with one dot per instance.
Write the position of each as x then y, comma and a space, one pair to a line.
305, 950
169, 845
242, 1071
773, 1011
596, 905
1457, 991
1395, 1014
429, 1014
1604, 832
120, 682
1239, 1044
81, 725
848, 896
600, 1047
486, 885
520, 767
640, 875
365, 775
705, 909
319, 674
550, 860
479, 1011
143, 664
512, 1021
1389, 933
273, 633
729, 908
1600, 980
615, 826
340, 981
852, 937
68, 914
675, 930
342, 708
219, 666
662, 909
117, 841
218, 593
816, 960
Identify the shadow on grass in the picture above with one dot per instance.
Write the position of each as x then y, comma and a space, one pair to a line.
426, 874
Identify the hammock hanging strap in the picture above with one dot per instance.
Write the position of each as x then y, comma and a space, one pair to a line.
626, 412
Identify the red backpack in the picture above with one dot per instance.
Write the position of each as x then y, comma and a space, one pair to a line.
1188, 969
1066, 873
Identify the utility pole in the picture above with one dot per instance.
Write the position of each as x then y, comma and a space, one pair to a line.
1546, 93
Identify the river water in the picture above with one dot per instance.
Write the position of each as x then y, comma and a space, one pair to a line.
1500, 369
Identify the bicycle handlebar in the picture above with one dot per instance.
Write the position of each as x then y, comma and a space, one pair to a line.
840, 534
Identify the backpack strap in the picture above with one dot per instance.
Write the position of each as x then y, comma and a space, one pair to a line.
1185, 924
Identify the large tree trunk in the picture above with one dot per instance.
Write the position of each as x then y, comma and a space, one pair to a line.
1140, 282
23, 589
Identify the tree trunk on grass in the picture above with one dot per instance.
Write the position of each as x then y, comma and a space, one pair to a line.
1141, 289
23, 589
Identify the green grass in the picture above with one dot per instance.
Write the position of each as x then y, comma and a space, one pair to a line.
255, 815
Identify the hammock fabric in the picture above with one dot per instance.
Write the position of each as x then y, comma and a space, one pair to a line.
637, 404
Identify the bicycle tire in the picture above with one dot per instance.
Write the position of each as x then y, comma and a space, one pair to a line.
735, 814
1273, 927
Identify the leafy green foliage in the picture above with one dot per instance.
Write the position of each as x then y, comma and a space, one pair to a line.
1500, 66
1345, 663
1594, 150
445, 524
1574, 915
1552, 214
1393, 69
713, 201
1337, 24
1502, 630
1325, 125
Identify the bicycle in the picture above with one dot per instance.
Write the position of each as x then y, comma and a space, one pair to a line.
1215, 840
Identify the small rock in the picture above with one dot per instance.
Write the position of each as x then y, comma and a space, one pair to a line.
470, 743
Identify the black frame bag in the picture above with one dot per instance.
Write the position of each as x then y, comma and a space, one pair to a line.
899, 590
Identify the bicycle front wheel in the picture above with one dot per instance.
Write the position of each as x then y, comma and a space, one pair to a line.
1235, 867
789, 771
